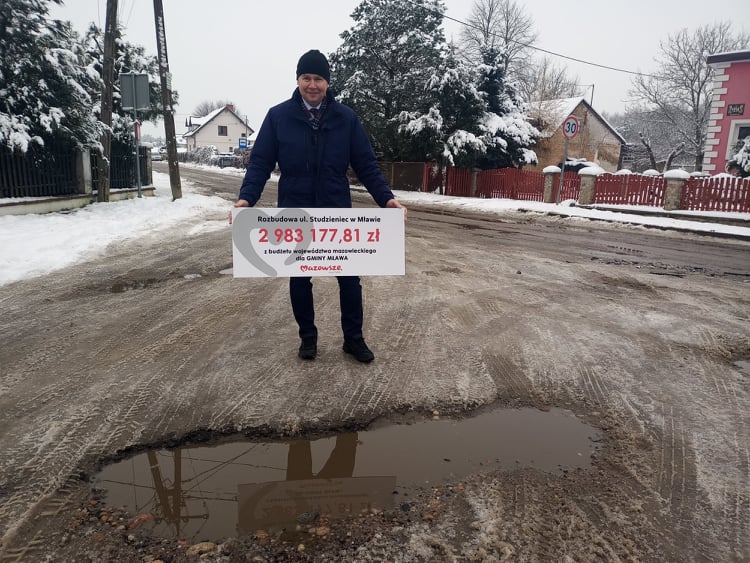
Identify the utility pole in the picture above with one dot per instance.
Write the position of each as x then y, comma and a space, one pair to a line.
166, 101
108, 72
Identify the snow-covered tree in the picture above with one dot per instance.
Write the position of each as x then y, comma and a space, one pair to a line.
385, 60
741, 159
652, 139
45, 79
129, 57
678, 93
505, 118
505, 27
470, 118
446, 129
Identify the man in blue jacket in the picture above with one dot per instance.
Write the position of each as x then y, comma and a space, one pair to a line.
314, 139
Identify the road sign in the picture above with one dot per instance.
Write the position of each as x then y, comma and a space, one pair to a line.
242, 142
134, 90
570, 126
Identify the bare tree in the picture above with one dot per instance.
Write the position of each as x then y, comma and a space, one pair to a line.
678, 93
504, 26
542, 79
501, 25
653, 141
207, 106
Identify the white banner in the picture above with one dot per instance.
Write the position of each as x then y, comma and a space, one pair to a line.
291, 242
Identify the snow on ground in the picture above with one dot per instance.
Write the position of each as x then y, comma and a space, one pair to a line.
33, 245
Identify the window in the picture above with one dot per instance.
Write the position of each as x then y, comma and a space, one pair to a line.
223, 131
737, 133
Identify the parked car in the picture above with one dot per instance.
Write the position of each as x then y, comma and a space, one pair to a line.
224, 159
156, 154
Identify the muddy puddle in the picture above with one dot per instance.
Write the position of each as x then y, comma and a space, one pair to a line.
238, 487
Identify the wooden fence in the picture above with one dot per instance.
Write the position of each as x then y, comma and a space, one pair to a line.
510, 183
699, 193
630, 189
716, 194
571, 186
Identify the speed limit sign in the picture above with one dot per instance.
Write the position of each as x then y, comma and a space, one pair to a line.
570, 127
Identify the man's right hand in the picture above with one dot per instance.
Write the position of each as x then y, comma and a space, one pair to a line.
238, 203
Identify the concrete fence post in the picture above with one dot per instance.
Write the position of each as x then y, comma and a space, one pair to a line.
588, 184
551, 180
149, 169
84, 184
675, 186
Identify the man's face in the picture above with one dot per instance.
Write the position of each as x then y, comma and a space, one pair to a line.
312, 87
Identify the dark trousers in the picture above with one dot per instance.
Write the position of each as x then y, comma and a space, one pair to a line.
350, 298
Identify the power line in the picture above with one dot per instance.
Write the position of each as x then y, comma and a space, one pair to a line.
529, 45
130, 13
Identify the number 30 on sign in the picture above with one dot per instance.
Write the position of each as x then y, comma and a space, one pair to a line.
570, 127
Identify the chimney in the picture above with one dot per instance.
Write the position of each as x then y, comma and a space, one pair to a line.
231, 107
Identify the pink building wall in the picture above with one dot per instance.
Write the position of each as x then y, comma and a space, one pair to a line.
729, 119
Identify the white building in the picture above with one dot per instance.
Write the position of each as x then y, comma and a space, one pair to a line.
222, 128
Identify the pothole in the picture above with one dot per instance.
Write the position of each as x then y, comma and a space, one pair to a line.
241, 487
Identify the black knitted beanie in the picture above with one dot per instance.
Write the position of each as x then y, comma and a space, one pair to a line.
314, 62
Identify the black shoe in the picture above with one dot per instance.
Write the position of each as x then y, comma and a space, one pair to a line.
357, 348
308, 349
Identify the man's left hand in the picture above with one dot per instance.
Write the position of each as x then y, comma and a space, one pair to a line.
394, 204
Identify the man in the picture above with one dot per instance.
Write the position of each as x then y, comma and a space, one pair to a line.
314, 139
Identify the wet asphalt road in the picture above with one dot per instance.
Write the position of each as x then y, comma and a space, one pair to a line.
636, 331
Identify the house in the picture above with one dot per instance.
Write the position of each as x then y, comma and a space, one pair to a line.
222, 128
597, 141
729, 119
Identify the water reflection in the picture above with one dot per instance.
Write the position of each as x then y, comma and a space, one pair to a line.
212, 492
332, 491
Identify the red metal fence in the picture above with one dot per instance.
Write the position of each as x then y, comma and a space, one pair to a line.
510, 183
716, 194
571, 187
458, 182
630, 189
699, 193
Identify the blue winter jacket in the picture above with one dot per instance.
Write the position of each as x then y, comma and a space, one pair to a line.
313, 163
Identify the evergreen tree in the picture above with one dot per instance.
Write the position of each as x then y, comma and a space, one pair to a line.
128, 58
384, 62
470, 118
446, 129
43, 79
505, 121
50, 80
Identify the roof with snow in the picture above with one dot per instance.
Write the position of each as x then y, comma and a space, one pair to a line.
550, 114
200, 122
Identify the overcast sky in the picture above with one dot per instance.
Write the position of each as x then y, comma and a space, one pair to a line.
247, 50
